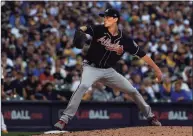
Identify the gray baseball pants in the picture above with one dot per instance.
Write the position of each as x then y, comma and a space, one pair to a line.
110, 78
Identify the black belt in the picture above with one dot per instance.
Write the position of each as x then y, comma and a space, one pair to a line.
95, 65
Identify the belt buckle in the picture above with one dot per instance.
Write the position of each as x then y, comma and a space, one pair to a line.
85, 61
92, 64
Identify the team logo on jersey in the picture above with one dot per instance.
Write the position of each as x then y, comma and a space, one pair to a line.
111, 46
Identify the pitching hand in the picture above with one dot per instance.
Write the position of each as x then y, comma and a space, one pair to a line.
159, 75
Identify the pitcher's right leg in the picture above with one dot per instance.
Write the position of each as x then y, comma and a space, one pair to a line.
87, 80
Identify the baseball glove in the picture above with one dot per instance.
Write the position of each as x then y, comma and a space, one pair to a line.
79, 39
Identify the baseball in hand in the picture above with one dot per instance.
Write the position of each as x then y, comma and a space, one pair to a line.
156, 79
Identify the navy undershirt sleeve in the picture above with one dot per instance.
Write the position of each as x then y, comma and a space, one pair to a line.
134, 49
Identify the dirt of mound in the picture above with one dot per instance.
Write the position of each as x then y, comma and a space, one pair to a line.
133, 131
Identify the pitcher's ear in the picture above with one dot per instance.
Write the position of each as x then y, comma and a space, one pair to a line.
116, 19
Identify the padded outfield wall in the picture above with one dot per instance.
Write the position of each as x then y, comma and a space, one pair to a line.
40, 116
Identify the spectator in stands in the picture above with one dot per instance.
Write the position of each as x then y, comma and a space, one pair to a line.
51, 94
59, 76
58, 68
137, 81
124, 69
37, 39
7, 62
75, 81
8, 89
38, 93
19, 86
166, 88
99, 93
148, 88
39, 68
12, 54
179, 95
20, 46
46, 77
184, 85
70, 29
17, 19
31, 67
144, 93
20, 64
117, 96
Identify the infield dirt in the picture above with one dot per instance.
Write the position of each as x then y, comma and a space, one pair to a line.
132, 131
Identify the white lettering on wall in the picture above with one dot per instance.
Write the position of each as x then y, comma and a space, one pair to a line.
22, 115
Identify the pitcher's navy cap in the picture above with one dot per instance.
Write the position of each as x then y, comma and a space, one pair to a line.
110, 13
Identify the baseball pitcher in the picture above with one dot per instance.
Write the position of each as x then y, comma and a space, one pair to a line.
107, 45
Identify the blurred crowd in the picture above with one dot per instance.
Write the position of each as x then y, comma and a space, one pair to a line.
40, 62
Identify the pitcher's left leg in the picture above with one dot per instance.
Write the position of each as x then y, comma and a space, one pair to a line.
116, 80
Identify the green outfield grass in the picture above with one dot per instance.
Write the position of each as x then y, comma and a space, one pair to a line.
21, 133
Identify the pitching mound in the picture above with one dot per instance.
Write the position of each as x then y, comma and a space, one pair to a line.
132, 131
